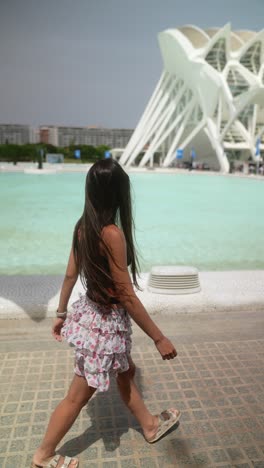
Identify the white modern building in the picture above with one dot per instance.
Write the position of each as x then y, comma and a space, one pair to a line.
16, 134
95, 136
209, 101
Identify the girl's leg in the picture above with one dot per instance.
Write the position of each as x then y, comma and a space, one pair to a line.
132, 398
63, 417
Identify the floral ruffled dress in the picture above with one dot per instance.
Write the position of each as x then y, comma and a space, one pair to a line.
101, 336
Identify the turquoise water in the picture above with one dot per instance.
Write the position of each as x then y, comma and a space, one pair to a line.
211, 222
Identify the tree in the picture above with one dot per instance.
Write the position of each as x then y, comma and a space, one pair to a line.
101, 150
10, 152
89, 153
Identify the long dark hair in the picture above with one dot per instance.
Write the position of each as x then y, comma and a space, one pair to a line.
107, 201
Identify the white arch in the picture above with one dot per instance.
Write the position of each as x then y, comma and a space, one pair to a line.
197, 36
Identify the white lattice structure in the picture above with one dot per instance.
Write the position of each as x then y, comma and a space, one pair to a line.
211, 90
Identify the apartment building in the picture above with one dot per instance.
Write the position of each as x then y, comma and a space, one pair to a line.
16, 134
49, 135
65, 136
112, 137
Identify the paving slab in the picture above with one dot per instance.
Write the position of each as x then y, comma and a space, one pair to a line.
217, 381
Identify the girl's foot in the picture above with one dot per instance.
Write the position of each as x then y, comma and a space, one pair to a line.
151, 430
163, 423
56, 461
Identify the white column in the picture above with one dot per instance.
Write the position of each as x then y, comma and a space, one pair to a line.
161, 124
184, 117
216, 143
154, 100
149, 128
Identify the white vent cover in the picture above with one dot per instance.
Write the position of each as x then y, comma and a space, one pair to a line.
174, 280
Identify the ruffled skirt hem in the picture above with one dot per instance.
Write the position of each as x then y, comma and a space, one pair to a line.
99, 379
101, 337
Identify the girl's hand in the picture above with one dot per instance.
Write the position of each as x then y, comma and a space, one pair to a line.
56, 329
166, 348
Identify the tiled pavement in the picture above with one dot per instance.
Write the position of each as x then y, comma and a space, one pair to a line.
217, 381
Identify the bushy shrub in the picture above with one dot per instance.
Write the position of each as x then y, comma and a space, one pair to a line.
30, 152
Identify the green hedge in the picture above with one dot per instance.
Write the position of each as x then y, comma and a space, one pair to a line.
17, 153
31, 152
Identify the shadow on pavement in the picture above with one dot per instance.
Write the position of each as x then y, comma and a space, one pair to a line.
31, 293
103, 409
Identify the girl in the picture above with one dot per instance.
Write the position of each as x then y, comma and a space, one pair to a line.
99, 327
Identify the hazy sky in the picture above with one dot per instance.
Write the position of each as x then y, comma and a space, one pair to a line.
95, 62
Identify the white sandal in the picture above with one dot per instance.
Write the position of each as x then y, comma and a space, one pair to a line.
167, 419
53, 463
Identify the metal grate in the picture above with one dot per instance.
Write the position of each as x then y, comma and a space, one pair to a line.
216, 57
237, 83
174, 280
252, 58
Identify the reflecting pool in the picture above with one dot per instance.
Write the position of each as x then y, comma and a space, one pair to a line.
208, 221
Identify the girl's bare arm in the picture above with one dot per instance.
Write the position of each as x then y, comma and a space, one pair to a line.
115, 240
69, 281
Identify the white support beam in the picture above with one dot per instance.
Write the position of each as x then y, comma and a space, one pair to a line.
192, 134
214, 137
149, 128
154, 101
161, 134
184, 117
